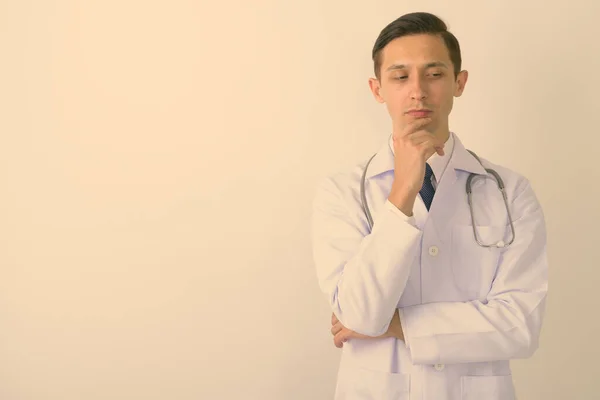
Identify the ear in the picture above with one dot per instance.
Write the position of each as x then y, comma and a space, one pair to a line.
375, 86
461, 81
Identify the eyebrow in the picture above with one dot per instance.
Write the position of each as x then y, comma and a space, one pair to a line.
428, 65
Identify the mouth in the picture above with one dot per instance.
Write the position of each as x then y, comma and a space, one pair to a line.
419, 113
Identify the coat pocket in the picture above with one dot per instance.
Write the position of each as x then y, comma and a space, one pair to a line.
492, 387
365, 384
474, 266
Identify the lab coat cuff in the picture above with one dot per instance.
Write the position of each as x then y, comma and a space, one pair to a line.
396, 210
423, 349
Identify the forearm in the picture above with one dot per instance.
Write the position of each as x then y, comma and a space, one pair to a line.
362, 274
456, 332
507, 323
373, 281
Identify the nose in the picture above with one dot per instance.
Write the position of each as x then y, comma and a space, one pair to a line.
418, 90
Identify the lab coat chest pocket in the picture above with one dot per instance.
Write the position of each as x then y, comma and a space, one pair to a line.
474, 266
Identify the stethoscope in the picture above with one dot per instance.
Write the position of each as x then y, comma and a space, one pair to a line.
499, 182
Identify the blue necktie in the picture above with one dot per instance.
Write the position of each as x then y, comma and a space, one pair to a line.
427, 190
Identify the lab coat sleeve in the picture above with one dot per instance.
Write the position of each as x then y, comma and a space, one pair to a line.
507, 324
362, 274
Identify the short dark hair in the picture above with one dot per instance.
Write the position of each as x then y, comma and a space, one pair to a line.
414, 24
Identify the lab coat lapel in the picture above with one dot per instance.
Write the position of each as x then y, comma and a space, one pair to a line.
447, 195
450, 191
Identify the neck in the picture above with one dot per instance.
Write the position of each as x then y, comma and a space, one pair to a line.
444, 135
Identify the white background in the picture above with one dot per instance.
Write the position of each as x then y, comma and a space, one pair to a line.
158, 161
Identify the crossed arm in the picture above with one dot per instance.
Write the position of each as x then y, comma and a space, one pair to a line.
364, 276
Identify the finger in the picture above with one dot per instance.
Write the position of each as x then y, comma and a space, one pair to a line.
341, 337
427, 149
419, 137
339, 346
334, 319
425, 139
428, 145
412, 139
412, 127
416, 125
336, 328
431, 141
425, 146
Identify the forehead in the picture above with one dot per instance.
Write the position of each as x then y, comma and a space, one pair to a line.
415, 50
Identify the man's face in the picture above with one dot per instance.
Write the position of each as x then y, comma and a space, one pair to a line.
416, 74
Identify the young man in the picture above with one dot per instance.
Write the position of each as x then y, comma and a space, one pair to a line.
434, 301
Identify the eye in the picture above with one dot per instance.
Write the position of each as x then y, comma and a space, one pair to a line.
400, 77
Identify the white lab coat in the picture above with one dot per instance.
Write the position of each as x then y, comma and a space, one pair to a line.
465, 310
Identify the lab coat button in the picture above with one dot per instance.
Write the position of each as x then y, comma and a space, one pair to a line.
433, 251
439, 367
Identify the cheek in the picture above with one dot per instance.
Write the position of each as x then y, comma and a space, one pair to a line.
447, 104
395, 97
441, 100
396, 107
